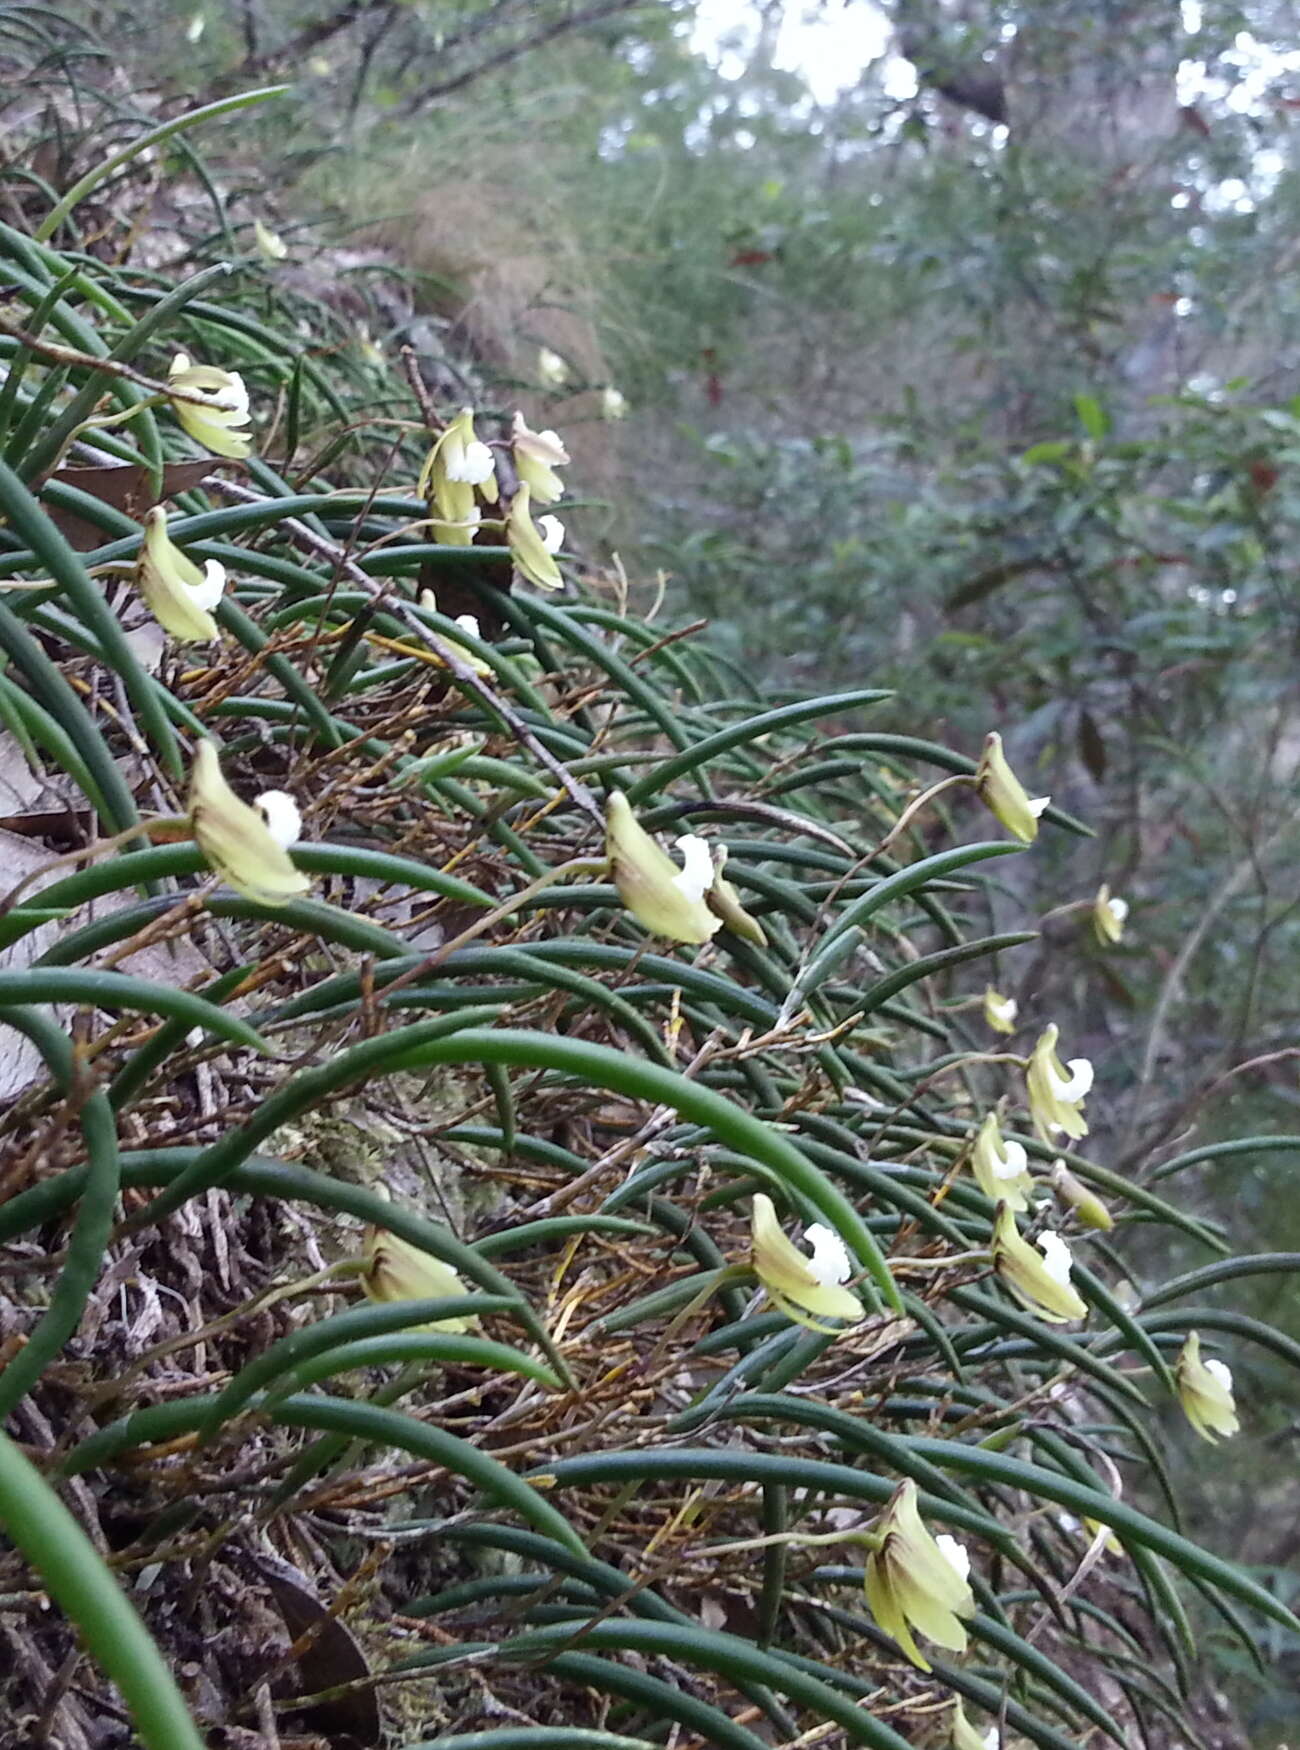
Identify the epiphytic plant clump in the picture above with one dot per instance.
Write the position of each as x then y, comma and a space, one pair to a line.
462, 1264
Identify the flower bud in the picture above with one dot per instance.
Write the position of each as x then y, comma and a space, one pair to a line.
236, 841
1039, 1280
1205, 1392
1089, 1208
809, 1290
1000, 790
397, 1270
914, 1579
176, 592
1056, 1094
613, 403
215, 422
666, 900
1108, 916
1000, 1012
1001, 1168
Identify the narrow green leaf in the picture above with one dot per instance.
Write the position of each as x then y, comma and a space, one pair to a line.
41, 1527
690, 759
390, 1428
191, 119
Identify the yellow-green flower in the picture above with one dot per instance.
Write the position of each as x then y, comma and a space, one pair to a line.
999, 789
1040, 1280
1001, 1167
397, 1270
1112, 1545
270, 245
963, 1736
456, 468
368, 347
537, 455
467, 623
915, 1580
551, 368
724, 902
809, 1290
613, 403
1089, 1208
1057, 1092
999, 1011
248, 849
532, 546
176, 592
1205, 1392
217, 419
1108, 917
666, 900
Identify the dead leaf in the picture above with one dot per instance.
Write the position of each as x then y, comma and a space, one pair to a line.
148, 642
331, 1656
21, 1063
1092, 746
176, 961
26, 795
127, 488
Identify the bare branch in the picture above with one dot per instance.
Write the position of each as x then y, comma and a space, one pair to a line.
564, 25
311, 37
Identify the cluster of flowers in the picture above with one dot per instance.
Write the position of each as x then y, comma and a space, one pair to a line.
914, 1581
248, 847
459, 479
555, 374
1055, 1097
